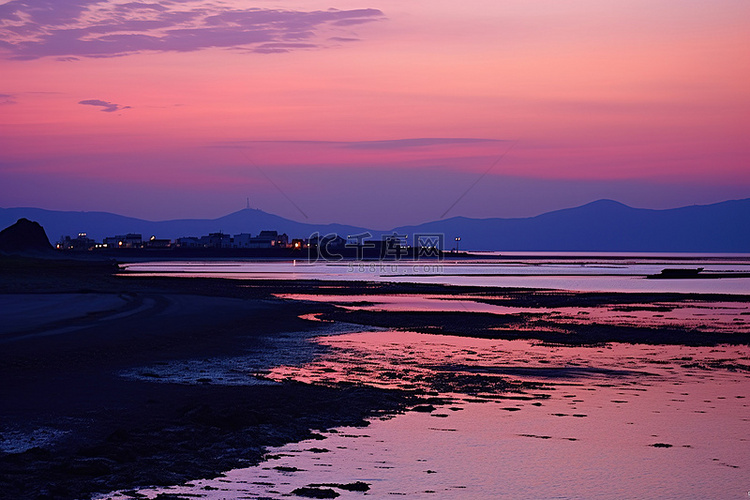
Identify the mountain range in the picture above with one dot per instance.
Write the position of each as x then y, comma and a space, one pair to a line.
603, 225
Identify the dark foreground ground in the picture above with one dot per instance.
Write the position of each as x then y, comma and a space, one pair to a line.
108, 432
113, 433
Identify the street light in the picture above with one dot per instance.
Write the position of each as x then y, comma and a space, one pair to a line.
458, 242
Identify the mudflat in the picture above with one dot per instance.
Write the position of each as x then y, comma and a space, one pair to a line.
72, 425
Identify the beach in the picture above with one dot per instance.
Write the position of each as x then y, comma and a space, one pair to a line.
92, 402
73, 426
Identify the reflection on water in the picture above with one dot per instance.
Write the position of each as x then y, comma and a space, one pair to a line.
501, 418
518, 419
585, 272
708, 316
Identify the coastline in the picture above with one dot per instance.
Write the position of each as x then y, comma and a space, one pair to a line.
108, 432
85, 429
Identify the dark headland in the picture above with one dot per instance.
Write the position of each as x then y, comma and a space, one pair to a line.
24, 237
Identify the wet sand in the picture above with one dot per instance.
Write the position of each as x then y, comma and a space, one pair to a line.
72, 425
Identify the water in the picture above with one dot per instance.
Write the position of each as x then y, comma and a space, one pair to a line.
521, 420
511, 419
707, 316
583, 272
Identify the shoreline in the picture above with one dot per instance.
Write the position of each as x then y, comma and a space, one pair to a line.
86, 429
110, 432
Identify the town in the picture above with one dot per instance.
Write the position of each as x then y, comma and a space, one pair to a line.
265, 239
267, 243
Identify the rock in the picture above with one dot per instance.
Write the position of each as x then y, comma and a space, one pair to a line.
355, 486
23, 237
309, 492
424, 408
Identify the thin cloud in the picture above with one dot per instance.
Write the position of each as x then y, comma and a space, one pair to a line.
7, 99
393, 144
413, 143
344, 39
66, 29
13, 98
109, 107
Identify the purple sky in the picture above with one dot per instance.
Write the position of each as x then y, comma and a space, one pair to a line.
376, 113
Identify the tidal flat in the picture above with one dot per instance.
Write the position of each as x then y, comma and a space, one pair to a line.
126, 383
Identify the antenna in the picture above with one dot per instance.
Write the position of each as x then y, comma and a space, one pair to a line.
479, 179
248, 203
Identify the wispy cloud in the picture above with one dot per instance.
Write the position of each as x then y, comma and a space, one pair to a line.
344, 39
109, 107
7, 99
389, 144
413, 143
65, 29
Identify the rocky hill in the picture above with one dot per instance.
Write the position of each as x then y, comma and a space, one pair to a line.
24, 237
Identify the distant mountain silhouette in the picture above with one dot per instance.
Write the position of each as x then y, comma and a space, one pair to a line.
603, 225
24, 237
98, 225
606, 226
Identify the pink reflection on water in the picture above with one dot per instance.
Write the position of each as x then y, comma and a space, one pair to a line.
588, 429
408, 302
399, 359
720, 316
729, 317
590, 272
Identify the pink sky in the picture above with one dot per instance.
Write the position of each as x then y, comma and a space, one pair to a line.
375, 113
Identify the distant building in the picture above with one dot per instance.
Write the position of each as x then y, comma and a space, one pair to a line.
130, 240
266, 239
216, 240
82, 242
187, 242
155, 242
276, 239
242, 240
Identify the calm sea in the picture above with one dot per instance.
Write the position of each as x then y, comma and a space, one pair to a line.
572, 271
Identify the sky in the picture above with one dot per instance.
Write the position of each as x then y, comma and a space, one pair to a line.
375, 113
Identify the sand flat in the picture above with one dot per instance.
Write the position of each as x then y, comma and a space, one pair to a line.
22, 312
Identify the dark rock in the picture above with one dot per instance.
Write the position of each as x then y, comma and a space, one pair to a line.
424, 408
24, 236
355, 486
309, 492
283, 468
